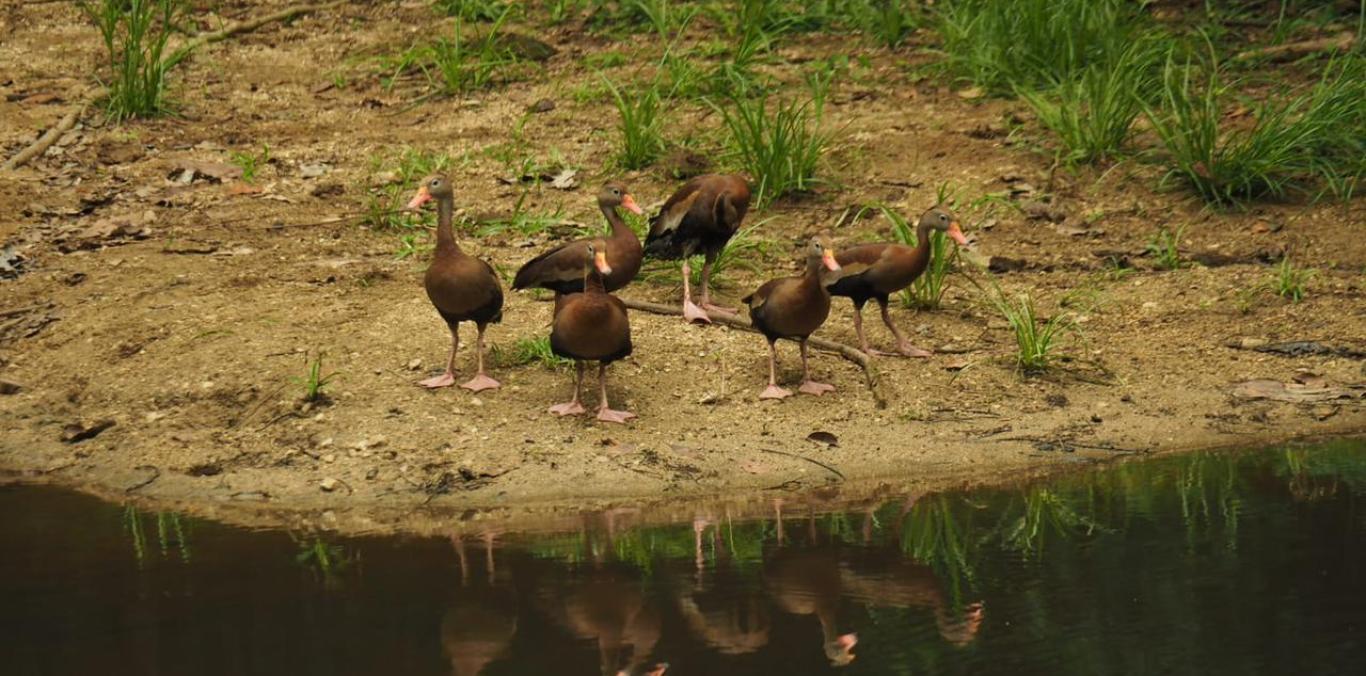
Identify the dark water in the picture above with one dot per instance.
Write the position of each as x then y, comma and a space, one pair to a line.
1237, 563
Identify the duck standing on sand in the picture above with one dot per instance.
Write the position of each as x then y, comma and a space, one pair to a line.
561, 268
701, 217
462, 288
591, 326
880, 270
793, 307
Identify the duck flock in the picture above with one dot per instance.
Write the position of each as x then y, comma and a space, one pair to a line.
591, 324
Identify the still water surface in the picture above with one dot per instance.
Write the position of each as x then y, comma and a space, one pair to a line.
1238, 563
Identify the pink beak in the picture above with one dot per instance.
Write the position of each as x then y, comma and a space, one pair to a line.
600, 261
830, 262
957, 233
631, 206
422, 197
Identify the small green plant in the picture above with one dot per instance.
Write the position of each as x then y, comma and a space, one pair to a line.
665, 16
888, 22
1290, 281
314, 381
251, 162
1165, 247
1093, 115
473, 10
779, 144
927, 290
1037, 342
455, 64
641, 125
1004, 46
135, 34
1296, 143
529, 351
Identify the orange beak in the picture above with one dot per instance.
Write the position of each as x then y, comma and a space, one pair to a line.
830, 262
422, 197
957, 233
600, 262
631, 206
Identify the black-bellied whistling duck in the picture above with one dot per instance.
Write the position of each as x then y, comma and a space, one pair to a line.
806, 581
701, 217
793, 307
880, 270
591, 326
462, 287
561, 268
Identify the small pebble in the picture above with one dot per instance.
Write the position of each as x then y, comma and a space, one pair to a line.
328, 485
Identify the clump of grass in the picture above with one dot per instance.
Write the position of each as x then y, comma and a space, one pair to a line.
1290, 281
384, 207
313, 381
927, 290
455, 64
251, 162
529, 351
135, 34
1002, 46
888, 22
641, 125
1297, 143
1037, 341
1093, 115
1165, 247
473, 10
779, 143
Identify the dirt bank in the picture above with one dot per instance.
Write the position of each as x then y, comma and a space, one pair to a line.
183, 311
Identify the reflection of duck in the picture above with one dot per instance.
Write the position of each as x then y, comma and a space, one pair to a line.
478, 627
884, 576
726, 613
606, 603
806, 581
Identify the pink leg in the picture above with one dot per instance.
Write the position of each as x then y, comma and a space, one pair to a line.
810, 386
481, 381
691, 312
573, 407
448, 378
902, 345
706, 288
773, 391
858, 328
605, 413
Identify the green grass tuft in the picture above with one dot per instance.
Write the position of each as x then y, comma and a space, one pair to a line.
251, 162
1290, 281
780, 143
313, 381
135, 34
641, 125
1165, 247
1037, 342
529, 351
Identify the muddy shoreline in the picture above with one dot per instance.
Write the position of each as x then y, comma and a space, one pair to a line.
146, 286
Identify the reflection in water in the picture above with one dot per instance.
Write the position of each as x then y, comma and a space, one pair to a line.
1219, 562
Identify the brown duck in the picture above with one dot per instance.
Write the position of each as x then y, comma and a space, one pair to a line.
793, 307
462, 288
700, 218
561, 268
591, 326
880, 270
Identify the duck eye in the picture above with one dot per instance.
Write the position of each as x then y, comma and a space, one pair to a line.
435, 182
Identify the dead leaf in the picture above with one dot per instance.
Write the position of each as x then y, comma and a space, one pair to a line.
197, 169
1296, 393
237, 188
10, 387
80, 431
564, 180
825, 438
956, 365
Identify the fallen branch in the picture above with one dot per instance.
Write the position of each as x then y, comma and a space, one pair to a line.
802, 457
734, 321
66, 123
1341, 42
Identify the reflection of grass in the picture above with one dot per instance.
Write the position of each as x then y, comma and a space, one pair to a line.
1045, 511
325, 561
937, 537
171, 534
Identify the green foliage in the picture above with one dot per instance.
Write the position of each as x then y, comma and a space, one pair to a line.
1290, 281
171, 532
1093, 114
1025, 44
529, 351
744, 251
641, 125
455, 64
251, 162
135, 34
313, 381
928, 289
780, 144
1037, 342
474, 10
327, 562
888, 22
1165, 247
1296, 143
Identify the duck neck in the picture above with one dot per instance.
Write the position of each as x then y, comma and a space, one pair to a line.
812, 275
592, 282
445, 236
922, 239
614, 219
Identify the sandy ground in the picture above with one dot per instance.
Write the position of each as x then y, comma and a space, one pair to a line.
188, 324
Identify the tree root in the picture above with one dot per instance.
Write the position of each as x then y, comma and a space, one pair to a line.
66, 123
850, 353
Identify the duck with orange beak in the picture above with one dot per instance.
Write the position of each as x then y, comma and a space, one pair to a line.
794, 307
879, 270
591, 326
561, 269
